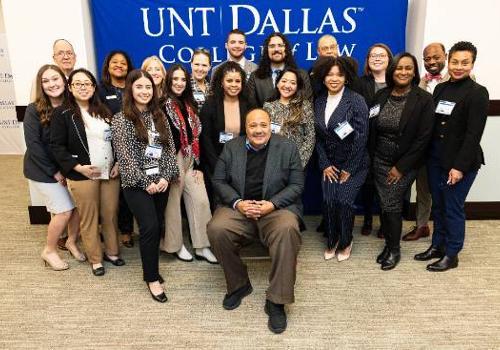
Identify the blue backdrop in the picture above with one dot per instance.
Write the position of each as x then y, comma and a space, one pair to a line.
171, 29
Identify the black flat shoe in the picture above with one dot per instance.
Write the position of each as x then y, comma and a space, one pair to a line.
161, 298
443, 264
383, 256
100, 271
277, 317
391, 261
429, 254
233, 300
116, 262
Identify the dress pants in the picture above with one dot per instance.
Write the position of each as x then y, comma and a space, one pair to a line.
97, 199
125, 217
448, 205
197, 209
149, 212
279, 230
424, 199
338, 209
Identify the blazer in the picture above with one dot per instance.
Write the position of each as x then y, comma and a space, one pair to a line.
350, 153
415, 128
39, 162
367, 88
261, 90
461, 142
213, 122
68, 142
111, 96
283, 181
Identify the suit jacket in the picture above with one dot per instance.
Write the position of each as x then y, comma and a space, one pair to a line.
261, 90
68, 142
349, 154
415, 128
283, 181
461, 142
213, 122
39, 162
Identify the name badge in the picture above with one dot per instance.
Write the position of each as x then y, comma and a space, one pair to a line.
107, 135
225, 137
275, 128
153, 151
152, 171
445, 107
199, 96
374, 111
343, 130
152, 137
111, 97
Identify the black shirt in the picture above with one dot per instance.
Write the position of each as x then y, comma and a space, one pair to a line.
254, 176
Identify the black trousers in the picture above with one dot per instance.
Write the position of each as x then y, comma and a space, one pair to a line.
125, 217
149, 210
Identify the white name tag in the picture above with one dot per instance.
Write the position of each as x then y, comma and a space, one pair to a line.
152, 171
343, 130
107, 135
445, 107
153, 151
199, 96
111, 97
275, 128
374, 111
225, 137
152, 137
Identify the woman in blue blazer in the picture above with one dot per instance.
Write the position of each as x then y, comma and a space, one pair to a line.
341, 132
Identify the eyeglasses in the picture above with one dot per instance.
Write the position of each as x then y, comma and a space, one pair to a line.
273, 46
65, 53
86, 85
378, 55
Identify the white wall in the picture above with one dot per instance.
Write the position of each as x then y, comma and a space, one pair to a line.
32, 27
449, 21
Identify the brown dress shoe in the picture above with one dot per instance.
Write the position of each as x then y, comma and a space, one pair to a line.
417, 233
61, 243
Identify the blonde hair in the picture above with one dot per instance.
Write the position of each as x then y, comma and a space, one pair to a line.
149, 60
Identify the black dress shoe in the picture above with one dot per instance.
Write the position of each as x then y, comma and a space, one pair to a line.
443, 264
383, 256
391, 261
99, 271
161, 298
233, 300
429, 254
277, 317
116, 262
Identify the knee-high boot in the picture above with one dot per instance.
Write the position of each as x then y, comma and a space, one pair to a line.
393, 225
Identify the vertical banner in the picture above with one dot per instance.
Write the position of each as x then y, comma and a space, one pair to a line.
11, 136
172, 29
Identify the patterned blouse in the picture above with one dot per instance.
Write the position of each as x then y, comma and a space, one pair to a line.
199, 96
303, 134
131, 154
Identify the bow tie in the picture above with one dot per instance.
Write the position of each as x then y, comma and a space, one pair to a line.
430, 77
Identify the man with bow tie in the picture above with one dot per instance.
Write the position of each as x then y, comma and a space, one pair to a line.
434, 63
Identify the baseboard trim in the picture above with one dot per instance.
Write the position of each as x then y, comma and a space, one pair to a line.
473, 211
38, 215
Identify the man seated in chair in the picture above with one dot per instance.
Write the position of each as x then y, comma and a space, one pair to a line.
259, 180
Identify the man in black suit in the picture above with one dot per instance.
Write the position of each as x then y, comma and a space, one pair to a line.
276, 55
259, 180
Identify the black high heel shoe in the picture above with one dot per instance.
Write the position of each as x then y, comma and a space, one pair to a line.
161, 298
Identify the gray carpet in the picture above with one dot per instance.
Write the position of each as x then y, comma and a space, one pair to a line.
349, 305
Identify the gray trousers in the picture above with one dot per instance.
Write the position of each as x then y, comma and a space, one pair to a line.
229, 230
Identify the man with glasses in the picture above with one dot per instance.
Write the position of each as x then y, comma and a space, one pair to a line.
64, 56
236, 44
276, 55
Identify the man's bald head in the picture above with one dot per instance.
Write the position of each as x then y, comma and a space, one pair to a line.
327, 46
258, 127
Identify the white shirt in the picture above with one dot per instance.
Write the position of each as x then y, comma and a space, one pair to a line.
332, 103
101, 154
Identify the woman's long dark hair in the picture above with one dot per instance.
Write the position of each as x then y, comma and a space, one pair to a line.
96, 107
105, 76
264, 69
296, 116
216, 86
43, 105
187, 95
132, 113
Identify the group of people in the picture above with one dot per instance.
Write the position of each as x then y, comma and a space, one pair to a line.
234, 148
